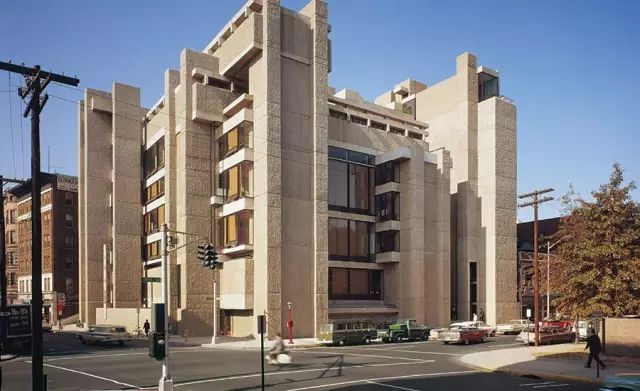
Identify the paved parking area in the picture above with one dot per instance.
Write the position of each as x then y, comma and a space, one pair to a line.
410, 366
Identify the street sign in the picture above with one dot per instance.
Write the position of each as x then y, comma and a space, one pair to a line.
528, 312
19, 320
151, 279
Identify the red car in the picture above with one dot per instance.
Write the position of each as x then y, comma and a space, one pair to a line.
462, 335
562, 324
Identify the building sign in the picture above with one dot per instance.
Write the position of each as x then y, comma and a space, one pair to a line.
67, 183
19, 320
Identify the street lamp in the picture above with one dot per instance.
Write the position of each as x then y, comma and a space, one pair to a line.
290, 324
549, 246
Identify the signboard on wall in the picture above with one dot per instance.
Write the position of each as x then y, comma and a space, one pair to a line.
19, 320
67, 183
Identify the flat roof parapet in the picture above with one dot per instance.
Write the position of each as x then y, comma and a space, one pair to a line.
242, 15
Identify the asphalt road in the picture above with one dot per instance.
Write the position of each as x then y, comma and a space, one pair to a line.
404, 366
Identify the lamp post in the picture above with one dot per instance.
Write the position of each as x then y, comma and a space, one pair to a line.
290, 324
549, 246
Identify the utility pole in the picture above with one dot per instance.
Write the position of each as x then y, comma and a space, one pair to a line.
535, 202
37, 81
166, 382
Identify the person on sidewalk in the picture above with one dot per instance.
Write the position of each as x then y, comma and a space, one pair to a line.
595, 347
481, 315
146, 327
475, 317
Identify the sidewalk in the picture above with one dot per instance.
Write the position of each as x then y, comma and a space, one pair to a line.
535, 361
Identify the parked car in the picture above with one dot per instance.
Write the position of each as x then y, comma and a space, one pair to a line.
348, 332
435, 333
103, 334
490, 330
465, 335
583, 328
563, 324
548, 335
404, 329
512, 326
622, 382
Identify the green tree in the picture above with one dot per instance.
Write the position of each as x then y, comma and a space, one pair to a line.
598, 265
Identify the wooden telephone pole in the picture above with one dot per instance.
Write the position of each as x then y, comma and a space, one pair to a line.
36, 80
535, 202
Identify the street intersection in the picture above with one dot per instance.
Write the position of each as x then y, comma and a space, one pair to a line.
406, 366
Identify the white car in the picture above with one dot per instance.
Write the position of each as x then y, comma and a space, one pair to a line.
491, 331
103, 334
512, 326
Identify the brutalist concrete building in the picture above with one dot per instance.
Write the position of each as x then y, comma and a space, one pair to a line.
343, 208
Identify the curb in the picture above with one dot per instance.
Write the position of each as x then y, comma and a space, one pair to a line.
253, 348
543, 375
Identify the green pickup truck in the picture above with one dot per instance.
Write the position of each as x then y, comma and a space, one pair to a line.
402, 330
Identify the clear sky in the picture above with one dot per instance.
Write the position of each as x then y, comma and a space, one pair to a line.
571, 66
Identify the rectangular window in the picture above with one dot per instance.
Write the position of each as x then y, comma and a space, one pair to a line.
234, 140
350, 240
378, 125
236, 182
68, 263
473, 287
359, 120
68, 199
12, 237
394, 130
11, 216
351, 181
154, 190
13, 259
152, 251
46, 240
69, 286
355, 284
68, 220
154, 158
68, 241
415, 136
388, 206
338, 114
12, 279
387, 172
387, 241
235, 229
153, 220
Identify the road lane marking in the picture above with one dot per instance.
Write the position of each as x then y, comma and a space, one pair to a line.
536, 384
506, 344
56, 358
400, 351
391, 386
383, 379
91, 375
278, 373
551, 385
363, 355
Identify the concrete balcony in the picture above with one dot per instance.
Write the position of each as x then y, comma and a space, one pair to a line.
240, 45
236, 206
389, 225
244, 101
387, 187
237, 250
242, 116
208, 103
236, 290
243, 155
388, 257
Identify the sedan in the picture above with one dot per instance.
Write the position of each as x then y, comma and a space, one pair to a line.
462, 335
512, 327
548, 335
102, 334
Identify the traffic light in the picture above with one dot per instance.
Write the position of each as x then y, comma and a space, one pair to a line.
208, 256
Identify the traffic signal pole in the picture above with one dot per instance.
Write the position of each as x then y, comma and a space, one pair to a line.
35, 85
166, 382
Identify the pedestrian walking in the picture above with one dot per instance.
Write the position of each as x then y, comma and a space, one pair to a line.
595, 347
481, 315
146, 327
475, 317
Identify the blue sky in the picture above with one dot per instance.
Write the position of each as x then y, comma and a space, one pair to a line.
571, 67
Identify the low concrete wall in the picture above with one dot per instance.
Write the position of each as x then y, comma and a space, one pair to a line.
127, 317
622, 336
